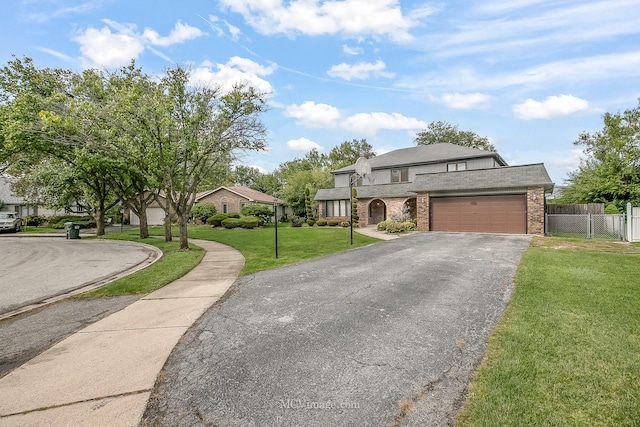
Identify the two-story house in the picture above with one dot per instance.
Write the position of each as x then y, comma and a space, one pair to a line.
445, 187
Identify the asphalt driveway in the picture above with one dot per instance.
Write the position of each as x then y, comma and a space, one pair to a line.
387, 334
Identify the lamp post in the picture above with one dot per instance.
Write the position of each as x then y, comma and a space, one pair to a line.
275, 219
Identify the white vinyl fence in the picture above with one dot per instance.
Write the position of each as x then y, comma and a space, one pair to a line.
633, 223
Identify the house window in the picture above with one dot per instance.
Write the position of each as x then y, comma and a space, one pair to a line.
400, 175
336, 208
224, 208
242, 205
460, 166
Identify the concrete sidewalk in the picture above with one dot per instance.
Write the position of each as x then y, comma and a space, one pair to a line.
104, 374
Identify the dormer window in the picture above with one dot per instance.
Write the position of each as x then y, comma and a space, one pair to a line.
400, 175
460, 166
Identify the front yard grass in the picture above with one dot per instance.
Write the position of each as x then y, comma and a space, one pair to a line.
566, 352
257, 246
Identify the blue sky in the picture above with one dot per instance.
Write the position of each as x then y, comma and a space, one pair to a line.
529, 74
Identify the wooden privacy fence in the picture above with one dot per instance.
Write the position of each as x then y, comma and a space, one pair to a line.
587, 208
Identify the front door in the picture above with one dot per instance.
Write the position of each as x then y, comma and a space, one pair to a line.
377, 211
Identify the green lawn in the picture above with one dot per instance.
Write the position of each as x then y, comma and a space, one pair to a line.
567, 350
257, 246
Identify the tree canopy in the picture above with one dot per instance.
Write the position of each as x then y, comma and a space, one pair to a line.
444, 132
610, 173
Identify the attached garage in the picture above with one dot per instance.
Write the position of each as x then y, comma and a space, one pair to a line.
482, 214
155, 216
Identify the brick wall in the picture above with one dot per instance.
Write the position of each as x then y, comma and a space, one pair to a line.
422, 208
222, 196
535, 210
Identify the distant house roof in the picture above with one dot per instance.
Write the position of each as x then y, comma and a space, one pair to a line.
366, 192
6, 194
425, 154
246, 192
484, 179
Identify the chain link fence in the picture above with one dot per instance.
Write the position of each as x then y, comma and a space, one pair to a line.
605, 227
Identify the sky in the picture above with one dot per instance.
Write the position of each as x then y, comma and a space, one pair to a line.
531, 75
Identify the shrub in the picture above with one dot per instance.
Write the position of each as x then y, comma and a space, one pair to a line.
321, 223
344, 223
216, 220
395, 227
250, 221
332, 223
86, 221
409, 226
234, 215
311, 222
35, 220
231, 223
203, 211
297, 221
259, 210
284, 218
382, 225
611, 209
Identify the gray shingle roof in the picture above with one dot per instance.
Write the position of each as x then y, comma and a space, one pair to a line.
484, 179
366, 192
424, 154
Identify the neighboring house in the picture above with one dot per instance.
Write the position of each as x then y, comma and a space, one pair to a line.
155, 213
232, 199
445, 187
18, 204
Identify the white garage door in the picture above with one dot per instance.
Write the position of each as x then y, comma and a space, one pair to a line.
155, 216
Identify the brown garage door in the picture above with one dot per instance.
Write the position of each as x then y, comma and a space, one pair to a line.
485, 214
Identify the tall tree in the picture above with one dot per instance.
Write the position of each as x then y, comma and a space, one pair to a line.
348, 153
611, 171
444, 132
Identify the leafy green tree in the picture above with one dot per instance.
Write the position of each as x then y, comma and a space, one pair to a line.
354, 207
265, 212
611, 171
444, 132
203, 211
296, 183
348, 153
246, 176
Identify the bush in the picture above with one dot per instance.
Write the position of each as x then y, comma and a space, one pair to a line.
234, 215
611, 209
321, 222
382, 225
400, 227
250, 222
297, 221
332, 223
231, 223
344, 223
311, 222
34, 220
284, 218
203, 211
259, 210
85, 221
216, 220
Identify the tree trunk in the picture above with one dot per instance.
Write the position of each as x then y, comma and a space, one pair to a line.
184, 240
167, 228
142, 214
100, 222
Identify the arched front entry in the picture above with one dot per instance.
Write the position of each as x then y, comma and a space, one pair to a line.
377, 211
411, 208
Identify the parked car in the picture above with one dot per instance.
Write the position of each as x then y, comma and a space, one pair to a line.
9, 221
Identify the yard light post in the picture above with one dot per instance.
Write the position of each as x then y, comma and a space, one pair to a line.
275, 219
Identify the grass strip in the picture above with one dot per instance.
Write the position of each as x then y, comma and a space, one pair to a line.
566, 351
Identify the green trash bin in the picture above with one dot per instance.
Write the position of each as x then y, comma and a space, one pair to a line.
73, 230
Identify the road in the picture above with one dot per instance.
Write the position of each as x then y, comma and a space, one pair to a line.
36, 268
383, 335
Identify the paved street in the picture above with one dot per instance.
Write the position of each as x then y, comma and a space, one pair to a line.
36, 268
387, 334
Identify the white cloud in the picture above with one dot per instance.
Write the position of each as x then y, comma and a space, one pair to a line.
314, 115
179, 34
352, 50
117, 44
102, 48
361, 70
236, 70
370, 123
303, 144
312, 17
466, 101
552, 106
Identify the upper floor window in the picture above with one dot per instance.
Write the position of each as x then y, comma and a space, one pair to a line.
400, 175
460, 166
